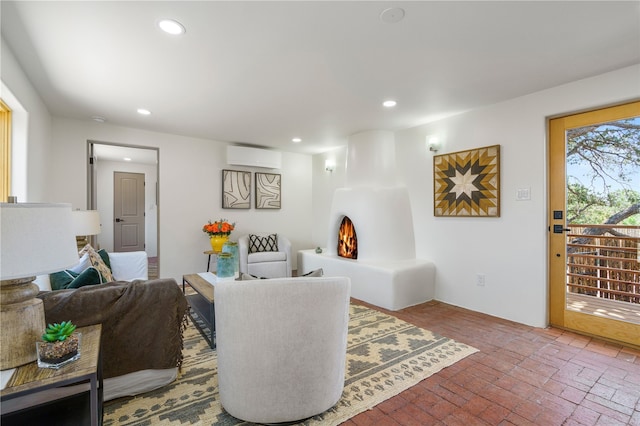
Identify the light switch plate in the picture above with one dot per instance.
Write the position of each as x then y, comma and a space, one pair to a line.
523, 194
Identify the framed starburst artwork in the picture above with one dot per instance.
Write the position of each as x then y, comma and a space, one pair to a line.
467, 183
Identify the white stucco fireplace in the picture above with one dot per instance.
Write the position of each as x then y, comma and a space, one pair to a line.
386, 272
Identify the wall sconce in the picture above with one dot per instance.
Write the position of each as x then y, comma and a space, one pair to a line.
433, 142
329, 166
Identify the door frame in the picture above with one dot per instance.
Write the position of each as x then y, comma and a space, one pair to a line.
92, 191
559, 316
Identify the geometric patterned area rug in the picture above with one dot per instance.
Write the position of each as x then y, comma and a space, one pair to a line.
385, 356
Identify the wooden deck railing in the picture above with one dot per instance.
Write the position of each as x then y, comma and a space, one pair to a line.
604, 261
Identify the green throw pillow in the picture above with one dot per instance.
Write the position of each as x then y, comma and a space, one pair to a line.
89, 276
69, 279
62, 279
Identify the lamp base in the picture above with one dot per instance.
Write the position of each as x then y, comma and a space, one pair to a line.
82, 241
23, 322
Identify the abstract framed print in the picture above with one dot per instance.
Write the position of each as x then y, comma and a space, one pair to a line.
236, 189
268, 191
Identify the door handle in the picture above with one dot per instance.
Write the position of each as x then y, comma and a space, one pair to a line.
559, 229
119, 220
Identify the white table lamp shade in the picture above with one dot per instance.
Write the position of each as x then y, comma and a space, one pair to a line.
35, 239
85, 222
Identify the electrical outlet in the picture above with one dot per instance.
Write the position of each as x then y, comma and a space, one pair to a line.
480, 280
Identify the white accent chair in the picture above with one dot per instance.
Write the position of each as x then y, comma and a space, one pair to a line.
265, 264
281, 346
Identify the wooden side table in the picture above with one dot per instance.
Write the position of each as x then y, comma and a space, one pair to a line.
209, 253
30, 379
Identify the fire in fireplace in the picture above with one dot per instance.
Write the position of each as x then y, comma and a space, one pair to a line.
347, 239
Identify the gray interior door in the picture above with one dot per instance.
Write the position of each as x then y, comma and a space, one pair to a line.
128, 204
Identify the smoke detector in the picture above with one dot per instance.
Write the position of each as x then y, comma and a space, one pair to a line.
392, 15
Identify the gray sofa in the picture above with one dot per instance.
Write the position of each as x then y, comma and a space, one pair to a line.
141, 341
142, 324
281, 346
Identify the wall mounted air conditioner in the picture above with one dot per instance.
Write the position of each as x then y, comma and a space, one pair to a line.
253, 157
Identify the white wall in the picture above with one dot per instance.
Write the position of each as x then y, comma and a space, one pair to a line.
512, 249
31, 131
324, 185
190, 189
105, 200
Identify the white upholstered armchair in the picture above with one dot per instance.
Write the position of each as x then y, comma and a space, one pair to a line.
281, 346
265, 256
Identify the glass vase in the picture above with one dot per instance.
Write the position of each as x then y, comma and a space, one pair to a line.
232, 247
225, 270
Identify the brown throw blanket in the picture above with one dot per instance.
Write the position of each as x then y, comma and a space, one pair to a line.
142, 321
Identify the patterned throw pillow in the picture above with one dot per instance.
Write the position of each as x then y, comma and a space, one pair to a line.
258, 243
105, 258
316, 273
249, 277
98, 263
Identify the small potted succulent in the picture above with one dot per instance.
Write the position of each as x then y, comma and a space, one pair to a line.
59, 345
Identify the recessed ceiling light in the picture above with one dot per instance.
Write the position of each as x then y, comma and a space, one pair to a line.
127, 159
172, 27
143, 111
389, 104
296, 140
98, 119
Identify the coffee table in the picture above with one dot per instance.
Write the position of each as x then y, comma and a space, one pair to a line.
202, 301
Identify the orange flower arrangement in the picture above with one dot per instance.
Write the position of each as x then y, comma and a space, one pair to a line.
217, 228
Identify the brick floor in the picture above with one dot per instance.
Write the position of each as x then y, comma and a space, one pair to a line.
521, 376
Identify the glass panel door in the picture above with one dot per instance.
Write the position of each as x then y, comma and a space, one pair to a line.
594, 199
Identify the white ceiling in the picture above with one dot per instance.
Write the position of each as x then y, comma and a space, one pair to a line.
263, 72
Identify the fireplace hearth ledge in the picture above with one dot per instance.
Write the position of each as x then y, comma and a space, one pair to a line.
393, 285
